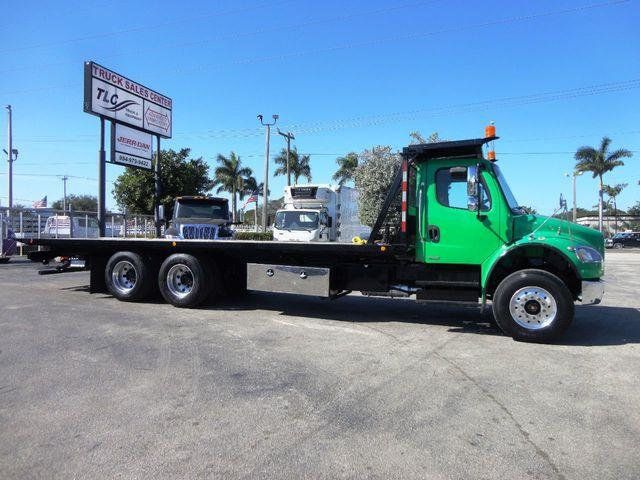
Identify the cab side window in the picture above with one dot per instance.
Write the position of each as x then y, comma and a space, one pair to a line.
451, 189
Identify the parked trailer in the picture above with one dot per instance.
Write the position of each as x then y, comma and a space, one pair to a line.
462, 239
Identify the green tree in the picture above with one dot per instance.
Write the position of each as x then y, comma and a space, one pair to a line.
79, 203
634, 210
229, 177
181, 175
346, 168
599, 161
417, 138
299, 165
373, 178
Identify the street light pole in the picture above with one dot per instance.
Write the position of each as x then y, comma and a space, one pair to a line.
10, 156
575, 206
289, 136
64, 198
265, 197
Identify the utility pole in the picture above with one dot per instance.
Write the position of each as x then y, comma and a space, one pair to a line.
265, 197
64, 198
289, 136
11, 152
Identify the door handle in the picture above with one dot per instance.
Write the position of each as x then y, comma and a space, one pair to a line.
434, 233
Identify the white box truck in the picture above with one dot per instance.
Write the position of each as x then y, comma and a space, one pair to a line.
319, 213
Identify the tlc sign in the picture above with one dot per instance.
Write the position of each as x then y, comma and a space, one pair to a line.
111, 95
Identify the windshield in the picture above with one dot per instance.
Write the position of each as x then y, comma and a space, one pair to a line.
296, 220
202, 209
511, 200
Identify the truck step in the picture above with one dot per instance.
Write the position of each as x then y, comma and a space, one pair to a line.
457, 284
448, 295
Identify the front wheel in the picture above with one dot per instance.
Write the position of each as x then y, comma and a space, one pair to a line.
617, 245
533, 305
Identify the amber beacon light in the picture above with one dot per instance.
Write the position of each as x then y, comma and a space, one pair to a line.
490, 132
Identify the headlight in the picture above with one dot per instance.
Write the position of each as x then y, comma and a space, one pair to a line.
588, 255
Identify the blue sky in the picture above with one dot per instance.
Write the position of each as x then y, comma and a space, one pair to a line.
343, 76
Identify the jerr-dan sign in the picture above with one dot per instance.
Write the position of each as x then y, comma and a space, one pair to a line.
131, 147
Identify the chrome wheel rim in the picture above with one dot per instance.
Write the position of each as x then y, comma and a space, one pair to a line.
124, 276
533, 308
180, 280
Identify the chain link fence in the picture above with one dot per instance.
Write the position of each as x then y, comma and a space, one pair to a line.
28, 223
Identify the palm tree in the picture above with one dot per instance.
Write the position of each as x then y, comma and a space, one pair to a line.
598, 162
612, 192
251, 185
299, 165
230, 177
346, 168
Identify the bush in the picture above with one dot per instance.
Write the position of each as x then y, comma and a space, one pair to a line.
265, 236
373, 178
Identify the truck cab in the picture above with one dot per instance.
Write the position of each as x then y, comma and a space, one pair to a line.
200, 217
318, 213
461, 221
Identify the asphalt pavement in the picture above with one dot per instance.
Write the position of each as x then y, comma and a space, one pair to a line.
279, 386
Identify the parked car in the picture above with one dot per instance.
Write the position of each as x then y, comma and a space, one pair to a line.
9, 243
623, 240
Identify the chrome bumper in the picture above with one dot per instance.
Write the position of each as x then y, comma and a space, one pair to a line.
592, 292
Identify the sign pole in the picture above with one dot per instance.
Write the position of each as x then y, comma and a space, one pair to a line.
158, 190
101, 181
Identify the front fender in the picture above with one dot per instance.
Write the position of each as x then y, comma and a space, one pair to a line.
563, 246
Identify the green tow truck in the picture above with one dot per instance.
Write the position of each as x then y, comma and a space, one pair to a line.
461, 238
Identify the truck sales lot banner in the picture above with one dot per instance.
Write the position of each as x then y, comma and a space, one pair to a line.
109, 94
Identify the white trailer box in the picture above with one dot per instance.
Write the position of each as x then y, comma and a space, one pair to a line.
348, 216
318, 213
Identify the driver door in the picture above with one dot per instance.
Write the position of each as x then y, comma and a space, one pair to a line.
450, 232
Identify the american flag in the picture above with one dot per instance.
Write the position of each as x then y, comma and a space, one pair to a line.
42, 203
252, 198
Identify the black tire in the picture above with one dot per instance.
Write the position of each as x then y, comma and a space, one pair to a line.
188, 284
4, 259
128, 277
533, 318
618, 246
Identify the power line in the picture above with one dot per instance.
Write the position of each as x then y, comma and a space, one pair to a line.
395, 38
376, 41
144, 27
263, 31
362, 121
49, 175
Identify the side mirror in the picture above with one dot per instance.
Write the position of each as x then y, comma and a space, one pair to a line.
161, 213
472, 188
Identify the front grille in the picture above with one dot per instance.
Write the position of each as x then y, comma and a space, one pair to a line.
200, 232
